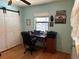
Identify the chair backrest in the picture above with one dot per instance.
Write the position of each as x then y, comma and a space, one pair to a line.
26, 38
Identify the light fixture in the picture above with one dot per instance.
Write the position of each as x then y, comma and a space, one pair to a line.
17, 0
14, 1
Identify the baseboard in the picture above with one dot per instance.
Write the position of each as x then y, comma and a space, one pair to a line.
64, 52
11, 48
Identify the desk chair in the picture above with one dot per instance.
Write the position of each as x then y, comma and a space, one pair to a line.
28, 40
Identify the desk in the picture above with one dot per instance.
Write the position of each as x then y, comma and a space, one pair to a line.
40, 39
49, 43
40, 36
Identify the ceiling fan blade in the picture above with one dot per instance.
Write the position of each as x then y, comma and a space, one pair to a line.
26, 2
9, 2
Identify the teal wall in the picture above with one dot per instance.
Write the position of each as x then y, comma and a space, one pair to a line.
64, 30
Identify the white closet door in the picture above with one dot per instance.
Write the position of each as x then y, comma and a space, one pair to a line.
12, 28
2, 32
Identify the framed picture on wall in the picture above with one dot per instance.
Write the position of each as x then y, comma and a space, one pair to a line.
28, 22
60, 17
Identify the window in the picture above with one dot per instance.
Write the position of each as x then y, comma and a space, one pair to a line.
42, 23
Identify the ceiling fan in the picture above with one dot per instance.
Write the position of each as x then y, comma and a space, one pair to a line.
26, 2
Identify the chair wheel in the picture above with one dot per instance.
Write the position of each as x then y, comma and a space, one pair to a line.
24, 52
0, 54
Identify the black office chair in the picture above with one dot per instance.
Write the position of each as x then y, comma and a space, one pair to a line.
28, 40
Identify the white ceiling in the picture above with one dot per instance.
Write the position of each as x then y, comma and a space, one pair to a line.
33, 2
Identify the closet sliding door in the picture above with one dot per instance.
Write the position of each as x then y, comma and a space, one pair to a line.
12, 29
2, 32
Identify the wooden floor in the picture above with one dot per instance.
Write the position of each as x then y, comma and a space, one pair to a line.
18, 53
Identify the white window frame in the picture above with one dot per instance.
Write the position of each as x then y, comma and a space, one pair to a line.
43, 21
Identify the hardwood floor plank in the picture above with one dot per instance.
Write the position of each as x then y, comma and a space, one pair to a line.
18, 53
